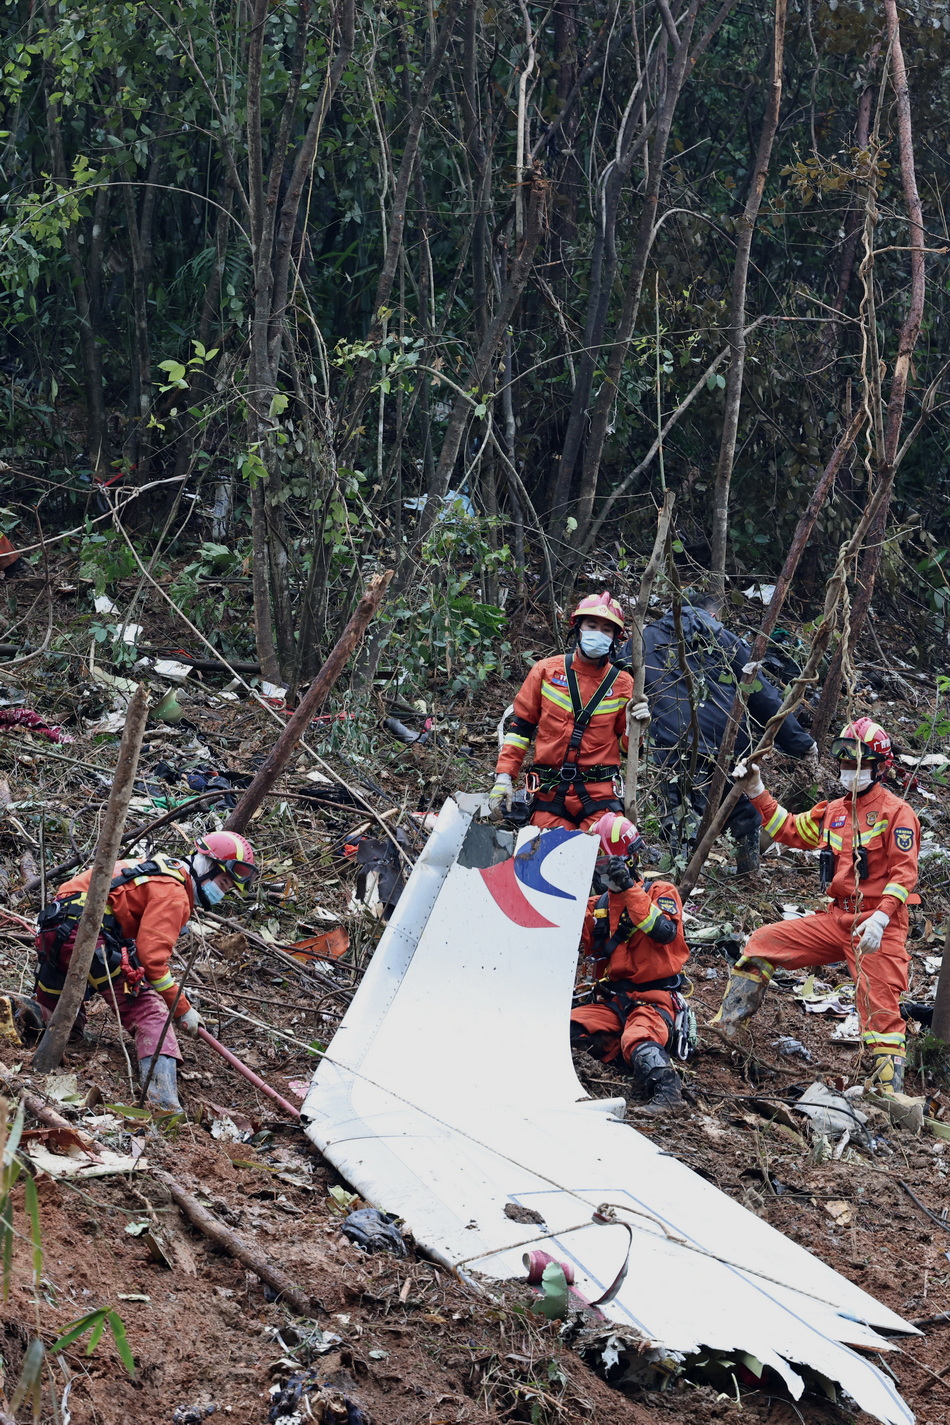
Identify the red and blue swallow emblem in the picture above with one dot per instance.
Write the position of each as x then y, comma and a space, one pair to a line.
505, 880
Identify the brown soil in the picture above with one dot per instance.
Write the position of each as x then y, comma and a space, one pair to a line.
415, 1346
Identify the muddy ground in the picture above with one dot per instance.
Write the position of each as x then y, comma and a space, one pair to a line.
400, 1340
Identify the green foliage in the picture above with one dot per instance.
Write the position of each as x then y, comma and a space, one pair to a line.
95, 1322
442, 626
937, 723
105, 558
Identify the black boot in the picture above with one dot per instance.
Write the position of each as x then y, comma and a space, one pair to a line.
653, 1073
29, 1019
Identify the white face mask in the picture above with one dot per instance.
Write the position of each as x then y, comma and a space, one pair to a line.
214, 894
595, 644
855, 781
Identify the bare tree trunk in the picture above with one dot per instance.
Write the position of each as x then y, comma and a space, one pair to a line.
638, 662
853, 232
97, 428
646, 233
272, 223
397, 222
783, 583
894, 415
49, 1052
737, 319
478, 372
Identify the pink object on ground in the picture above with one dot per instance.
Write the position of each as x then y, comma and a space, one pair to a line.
249, 1074
24, 717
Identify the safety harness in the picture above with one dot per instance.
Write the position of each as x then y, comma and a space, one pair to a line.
569, 777
622, 997
115, 953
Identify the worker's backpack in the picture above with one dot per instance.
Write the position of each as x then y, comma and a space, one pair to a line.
114, 954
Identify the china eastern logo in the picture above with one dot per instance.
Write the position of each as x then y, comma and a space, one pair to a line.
505, 880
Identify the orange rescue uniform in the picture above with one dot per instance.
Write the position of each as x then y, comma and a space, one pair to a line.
543, 709
152, 911
628, 1012
888, 830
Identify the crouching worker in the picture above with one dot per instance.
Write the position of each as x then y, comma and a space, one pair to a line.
633, 933
149, 905
868, 841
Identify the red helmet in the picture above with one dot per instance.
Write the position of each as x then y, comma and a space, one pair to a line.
233, 853
865, 741
618, 835
599, 606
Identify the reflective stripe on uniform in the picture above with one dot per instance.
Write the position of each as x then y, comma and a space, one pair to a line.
895, 889
776, 822
512, 739
891, 1043
807, 828
167, 982
561, 699
651, 920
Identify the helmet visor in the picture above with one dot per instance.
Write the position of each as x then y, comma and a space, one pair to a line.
853, 747
242, 873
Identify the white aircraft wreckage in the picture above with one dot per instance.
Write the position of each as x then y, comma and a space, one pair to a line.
449, 1095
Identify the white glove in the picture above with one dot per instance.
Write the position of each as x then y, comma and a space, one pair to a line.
501, 793
811, 758
871, 931
639, 714
190, 1022
748, 778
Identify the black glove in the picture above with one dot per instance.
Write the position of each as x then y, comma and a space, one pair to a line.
618, 874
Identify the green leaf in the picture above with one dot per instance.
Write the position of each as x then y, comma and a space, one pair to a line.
279, 404
117, 1327
33, 1211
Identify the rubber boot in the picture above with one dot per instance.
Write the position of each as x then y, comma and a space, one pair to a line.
653, 1073
29, 1019
163, 1089
744, 994
747, 854
887, 1075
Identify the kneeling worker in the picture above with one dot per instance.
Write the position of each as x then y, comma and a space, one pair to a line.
634, 934
149, 905
868, 841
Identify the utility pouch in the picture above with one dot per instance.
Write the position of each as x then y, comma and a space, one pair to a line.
861, 862
826, 868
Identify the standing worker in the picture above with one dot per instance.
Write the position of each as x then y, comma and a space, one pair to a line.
149, 905
634, 935
868, 842
579, 705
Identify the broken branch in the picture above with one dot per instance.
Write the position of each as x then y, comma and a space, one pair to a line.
294, 730
637, 661
235, 1246
49, 1051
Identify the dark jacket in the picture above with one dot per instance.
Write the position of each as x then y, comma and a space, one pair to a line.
715, 658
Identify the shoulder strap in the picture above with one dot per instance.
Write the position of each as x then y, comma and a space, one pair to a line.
582, 713
156, 866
